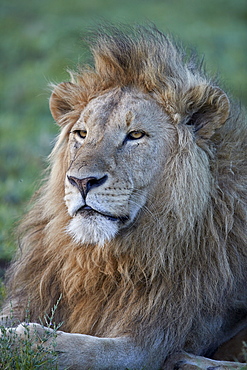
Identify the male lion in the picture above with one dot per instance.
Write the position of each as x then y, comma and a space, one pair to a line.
141, 224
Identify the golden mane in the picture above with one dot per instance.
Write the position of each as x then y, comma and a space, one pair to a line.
144, 58
183, 245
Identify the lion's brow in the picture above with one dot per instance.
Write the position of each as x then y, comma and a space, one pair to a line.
129, 118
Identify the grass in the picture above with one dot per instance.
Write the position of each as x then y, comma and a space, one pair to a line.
20, 353
29, 350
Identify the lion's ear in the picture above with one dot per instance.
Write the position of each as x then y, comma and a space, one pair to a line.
207, 109
62, 100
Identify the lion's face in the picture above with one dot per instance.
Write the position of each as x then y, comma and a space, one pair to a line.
117, 152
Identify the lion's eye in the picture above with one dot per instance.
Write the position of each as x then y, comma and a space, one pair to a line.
135, 135
81, 133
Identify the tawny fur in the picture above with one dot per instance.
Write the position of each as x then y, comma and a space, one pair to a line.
184, 262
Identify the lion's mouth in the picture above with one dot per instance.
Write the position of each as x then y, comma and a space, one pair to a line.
88, 211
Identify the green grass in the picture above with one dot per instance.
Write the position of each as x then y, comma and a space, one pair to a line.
30, 350
20, 353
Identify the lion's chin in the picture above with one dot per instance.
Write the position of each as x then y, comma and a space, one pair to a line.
96, 229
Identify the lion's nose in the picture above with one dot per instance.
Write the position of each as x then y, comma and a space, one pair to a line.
86, 184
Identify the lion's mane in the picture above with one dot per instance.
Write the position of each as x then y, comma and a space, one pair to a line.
183, 259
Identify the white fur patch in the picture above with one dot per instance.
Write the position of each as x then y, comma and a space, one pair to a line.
92, 230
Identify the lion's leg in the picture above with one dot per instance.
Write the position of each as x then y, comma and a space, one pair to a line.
186, 361
79, 351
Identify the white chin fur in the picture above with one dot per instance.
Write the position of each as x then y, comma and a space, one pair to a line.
92, 230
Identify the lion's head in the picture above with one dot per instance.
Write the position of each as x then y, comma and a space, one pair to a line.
124, 123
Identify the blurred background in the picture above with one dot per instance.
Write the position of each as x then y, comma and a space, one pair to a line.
41, 38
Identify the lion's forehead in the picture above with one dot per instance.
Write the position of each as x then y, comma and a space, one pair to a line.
119, 109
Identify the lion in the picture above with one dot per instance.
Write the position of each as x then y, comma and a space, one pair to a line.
140, 225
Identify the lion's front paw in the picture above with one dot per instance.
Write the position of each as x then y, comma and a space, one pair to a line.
28, 330
31, 336
28, 343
